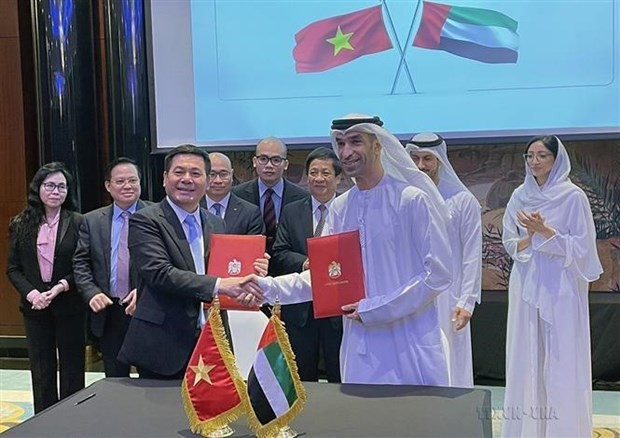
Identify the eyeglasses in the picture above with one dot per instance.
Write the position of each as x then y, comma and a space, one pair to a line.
223, 174
122, 182
275, 160
50, 187
539, 157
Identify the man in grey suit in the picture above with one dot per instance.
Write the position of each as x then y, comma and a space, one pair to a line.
240, 216
310, 338
104, 277
270, 191
169, 243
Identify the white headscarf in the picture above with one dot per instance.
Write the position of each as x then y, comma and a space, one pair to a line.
550, 200
449, 182
394, 158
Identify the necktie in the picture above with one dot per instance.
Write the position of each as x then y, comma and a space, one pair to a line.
194, 244
269, 214
319, 226
122, 259
218, 209
197, 252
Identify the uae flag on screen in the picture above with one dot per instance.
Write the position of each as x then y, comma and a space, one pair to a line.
276, 394
479, 34
334, 41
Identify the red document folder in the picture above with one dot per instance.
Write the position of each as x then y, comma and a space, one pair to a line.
233, 255
336, 272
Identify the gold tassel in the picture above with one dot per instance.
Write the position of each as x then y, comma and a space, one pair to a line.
272, 428
208, 426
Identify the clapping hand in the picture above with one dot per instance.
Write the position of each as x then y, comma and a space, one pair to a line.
534, 222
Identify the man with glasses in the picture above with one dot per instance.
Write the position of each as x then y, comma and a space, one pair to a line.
104, 277
240, 216
300, 220
270, 191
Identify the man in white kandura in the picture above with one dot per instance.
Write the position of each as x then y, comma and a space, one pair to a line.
429, 152
392, 336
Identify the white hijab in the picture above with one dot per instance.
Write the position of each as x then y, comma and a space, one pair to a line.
550, 200
449, 182
395, 160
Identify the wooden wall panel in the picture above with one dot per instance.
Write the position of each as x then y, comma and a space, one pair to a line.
13, 178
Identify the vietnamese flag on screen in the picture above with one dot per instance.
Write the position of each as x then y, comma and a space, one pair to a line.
334, 41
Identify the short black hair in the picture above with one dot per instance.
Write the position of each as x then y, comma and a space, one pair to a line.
323, 153
118, 161
550, 142
187, 149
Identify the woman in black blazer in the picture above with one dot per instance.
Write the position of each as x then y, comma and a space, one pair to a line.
43, 238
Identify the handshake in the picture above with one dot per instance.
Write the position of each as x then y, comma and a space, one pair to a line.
247, 290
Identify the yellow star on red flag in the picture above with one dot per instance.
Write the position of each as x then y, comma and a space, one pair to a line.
201, 371
340, 41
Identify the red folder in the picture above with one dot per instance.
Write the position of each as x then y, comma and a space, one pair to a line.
336, 272
233, 255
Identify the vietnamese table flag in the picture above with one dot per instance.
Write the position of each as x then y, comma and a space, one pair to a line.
334, 41
213, 391
480, 34
275, 392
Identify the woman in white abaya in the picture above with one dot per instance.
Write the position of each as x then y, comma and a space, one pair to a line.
549, 233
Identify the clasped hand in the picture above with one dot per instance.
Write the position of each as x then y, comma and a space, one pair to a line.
41, 300
534, 222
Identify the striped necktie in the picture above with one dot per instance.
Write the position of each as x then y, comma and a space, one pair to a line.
319, 226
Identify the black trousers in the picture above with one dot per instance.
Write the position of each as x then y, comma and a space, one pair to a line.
317, 337
55, 343
111, 340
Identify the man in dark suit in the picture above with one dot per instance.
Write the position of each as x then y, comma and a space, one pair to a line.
270, 191
240, 216
169, 243
299, 220
104, 277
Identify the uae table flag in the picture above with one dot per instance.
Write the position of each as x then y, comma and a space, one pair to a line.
212, 389
275, 392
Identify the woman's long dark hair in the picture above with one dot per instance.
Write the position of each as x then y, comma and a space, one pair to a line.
26, 224
550, 142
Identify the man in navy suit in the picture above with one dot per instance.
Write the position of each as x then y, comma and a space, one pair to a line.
96, 267
270, 191
169, 243
240, 216
299, 220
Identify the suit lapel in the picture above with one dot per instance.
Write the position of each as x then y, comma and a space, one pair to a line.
206, 233
232, 211
106, 239
63, 226
170, 222
308, 225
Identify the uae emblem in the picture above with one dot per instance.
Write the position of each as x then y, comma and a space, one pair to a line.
234, 267
334, 270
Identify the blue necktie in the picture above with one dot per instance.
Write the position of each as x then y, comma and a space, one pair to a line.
218, 209
199, 261
194, 244
121, 288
